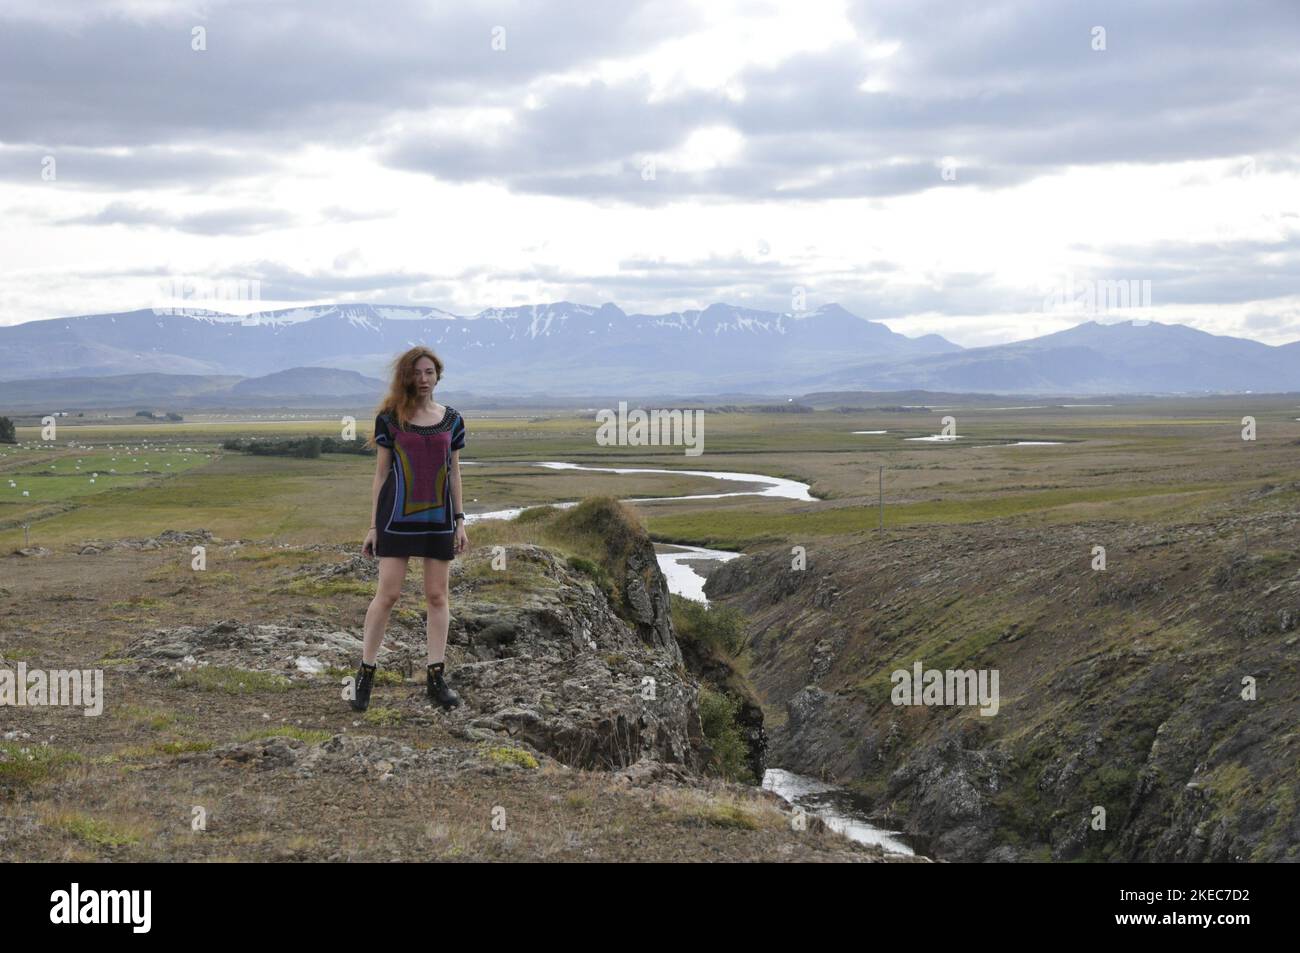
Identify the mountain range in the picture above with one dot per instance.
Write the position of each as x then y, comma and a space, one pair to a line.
583, 349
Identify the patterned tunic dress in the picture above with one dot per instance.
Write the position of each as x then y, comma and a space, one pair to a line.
415, 506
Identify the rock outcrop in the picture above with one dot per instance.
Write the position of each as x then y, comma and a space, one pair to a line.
168, 537
536, 652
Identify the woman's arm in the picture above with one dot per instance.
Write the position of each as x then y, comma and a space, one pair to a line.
455, 482
383, 460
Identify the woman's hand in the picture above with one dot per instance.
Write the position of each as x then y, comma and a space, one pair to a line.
368, 547
462, 540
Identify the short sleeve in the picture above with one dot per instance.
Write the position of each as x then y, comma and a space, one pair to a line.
458, 433
383, 435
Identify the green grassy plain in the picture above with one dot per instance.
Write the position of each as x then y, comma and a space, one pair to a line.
1153, 460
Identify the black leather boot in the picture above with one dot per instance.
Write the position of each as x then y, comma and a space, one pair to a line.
439, 692
365, 681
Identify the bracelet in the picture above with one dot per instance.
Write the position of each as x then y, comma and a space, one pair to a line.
457, 516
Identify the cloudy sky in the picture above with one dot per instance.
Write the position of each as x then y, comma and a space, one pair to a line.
943, 167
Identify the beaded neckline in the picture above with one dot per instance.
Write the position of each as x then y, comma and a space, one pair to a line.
447, 418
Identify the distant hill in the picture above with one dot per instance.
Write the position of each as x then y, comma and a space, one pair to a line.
573, 349
310, 382
296, 387
563, 347
1092, 358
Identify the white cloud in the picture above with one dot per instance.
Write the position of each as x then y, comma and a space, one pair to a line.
795, 144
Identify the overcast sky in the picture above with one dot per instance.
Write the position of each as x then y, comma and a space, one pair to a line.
943, 167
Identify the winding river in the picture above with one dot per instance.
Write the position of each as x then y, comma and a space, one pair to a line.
842, 810
675, 560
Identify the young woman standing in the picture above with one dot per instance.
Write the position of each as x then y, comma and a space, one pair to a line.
415, 511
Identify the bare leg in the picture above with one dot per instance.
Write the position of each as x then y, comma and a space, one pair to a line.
392, 570
437, 574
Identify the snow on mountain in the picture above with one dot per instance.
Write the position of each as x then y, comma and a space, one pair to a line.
567, 347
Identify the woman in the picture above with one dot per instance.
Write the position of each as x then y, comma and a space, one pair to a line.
415, 511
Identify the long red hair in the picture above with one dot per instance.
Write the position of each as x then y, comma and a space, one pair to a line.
403, 395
